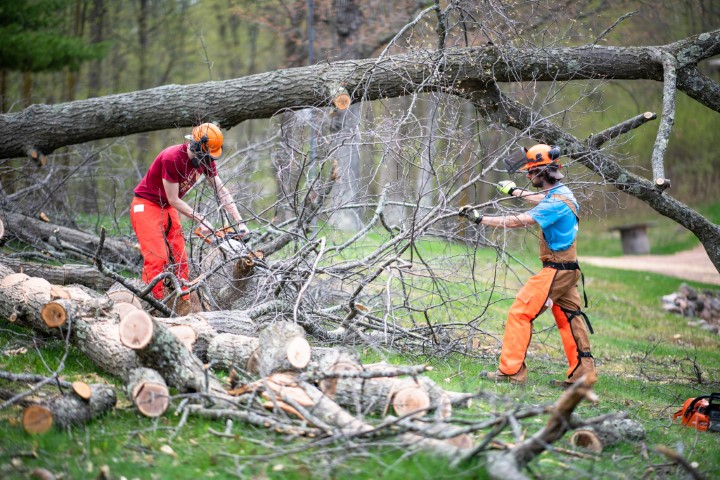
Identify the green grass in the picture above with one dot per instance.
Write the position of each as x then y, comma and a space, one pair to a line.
649, 362
665, 236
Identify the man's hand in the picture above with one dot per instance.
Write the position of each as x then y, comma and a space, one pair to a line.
506, 186
205, 228
470, 213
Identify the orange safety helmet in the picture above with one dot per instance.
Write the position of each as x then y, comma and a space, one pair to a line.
208, 139
541, 155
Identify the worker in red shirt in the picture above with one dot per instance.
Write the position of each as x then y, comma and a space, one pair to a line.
158, 199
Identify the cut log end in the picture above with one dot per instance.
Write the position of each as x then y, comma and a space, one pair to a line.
342, 101
185, 334
586, 439
82, 390
298, 352
662, 183
151, 399
37, 419
124, 296
136, 329
649, 115
124, 309
54, 315
410, 399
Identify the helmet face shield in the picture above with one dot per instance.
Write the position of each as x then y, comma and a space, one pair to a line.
516, 160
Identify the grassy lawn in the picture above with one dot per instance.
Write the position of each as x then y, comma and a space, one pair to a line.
649, 362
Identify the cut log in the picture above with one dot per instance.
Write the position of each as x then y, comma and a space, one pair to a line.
124, 308
148, 391
185, 334
64, 411
82, 390
119, 294
54, 314
409, 399
37, 419
67, 274
586, 439
179, 367
228, 351
283, 348
136, 329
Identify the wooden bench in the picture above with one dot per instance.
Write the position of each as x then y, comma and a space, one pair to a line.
634, 238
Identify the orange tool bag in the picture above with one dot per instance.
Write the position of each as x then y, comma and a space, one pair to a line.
701, 413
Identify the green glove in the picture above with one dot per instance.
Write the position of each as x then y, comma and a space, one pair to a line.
506, 186
470, 213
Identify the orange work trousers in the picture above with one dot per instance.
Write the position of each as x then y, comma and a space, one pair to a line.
161, 241
561, 287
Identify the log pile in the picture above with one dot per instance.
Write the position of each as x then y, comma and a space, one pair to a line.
703, 306
279, 380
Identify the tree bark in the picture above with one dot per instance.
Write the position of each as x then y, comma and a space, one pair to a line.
31, 230
69, 410
44, 127
61, 275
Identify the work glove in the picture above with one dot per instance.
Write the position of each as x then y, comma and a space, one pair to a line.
467, 211
506, 186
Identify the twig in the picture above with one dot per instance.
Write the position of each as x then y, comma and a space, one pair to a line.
678, 459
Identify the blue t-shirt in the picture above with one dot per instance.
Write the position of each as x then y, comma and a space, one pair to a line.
558, 222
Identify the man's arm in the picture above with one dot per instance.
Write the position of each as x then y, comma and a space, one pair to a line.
509, 221
172, 191
227, 202
528, 196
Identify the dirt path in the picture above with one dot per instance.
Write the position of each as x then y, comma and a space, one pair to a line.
688, 265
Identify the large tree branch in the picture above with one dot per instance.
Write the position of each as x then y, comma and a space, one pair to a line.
48, 127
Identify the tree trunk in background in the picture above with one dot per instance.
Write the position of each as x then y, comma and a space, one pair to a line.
425, 175
143, 16
89, 200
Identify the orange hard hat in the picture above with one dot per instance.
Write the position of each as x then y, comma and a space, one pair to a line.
540, 155
209, 137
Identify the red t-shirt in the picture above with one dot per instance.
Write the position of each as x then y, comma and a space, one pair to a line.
173, 165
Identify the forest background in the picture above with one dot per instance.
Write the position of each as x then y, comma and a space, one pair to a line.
114, 47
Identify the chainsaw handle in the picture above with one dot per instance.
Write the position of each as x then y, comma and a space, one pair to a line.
205, 238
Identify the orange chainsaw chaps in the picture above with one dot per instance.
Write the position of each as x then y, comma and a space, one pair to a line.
566, 335
162, 245
529, 303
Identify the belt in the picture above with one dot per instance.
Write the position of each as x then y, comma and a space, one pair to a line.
562, 266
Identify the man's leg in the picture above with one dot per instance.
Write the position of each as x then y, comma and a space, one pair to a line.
572, 326
147, 220
529, 303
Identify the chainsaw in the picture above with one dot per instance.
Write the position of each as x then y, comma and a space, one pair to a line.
225, 233
701, 413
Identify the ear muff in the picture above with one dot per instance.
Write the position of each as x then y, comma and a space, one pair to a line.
554, 153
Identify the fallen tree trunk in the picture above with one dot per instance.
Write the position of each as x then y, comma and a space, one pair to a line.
67, 274
64, 411
31, 230
282, 347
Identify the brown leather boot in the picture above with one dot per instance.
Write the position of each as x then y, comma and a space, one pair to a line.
587, 365
518, 379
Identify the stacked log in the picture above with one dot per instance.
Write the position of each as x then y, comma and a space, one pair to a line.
702, 305
152, 355
74, 408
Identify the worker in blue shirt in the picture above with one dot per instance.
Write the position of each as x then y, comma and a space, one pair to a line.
555, 286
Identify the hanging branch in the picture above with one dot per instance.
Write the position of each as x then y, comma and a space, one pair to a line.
667, 119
